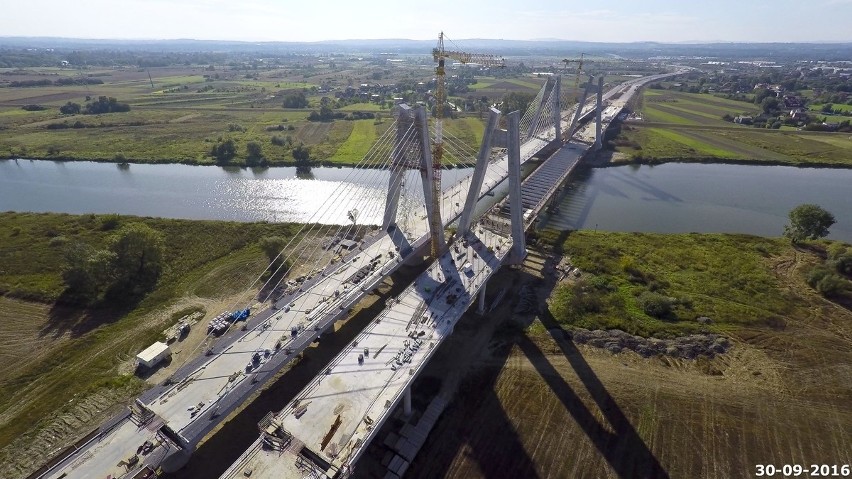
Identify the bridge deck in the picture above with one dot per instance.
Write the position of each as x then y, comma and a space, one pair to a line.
334, 418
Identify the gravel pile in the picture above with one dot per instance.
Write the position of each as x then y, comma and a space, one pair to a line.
685, 347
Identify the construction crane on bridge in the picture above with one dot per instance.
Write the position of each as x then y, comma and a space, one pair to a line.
439, 54
579, 63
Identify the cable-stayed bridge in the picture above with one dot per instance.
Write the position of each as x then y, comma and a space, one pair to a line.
340, 266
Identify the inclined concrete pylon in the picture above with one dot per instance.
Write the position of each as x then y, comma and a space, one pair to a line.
478, 173
598, 114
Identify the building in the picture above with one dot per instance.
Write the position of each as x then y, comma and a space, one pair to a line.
153, 354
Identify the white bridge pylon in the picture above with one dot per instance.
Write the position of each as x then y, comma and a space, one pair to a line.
541, 121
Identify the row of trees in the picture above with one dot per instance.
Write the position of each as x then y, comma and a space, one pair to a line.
123, 272
224, 151
60, 82
102, 105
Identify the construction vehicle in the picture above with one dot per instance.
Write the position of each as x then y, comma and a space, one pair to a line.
439, 54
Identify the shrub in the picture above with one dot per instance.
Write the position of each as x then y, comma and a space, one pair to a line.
655, 304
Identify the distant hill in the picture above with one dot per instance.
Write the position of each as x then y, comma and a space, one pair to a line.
822, 51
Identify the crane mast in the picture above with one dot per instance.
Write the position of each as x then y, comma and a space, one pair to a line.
579, 68
439, 54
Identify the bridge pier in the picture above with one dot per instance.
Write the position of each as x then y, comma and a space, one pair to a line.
516, 209
406, 401
599, 113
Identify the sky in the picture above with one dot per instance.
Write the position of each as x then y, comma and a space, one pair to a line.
314, 20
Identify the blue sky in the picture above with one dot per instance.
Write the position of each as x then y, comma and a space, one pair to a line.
307, 20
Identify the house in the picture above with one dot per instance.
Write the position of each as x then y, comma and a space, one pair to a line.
799, 115
744, 120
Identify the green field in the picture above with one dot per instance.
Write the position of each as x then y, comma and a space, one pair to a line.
359, 142
689, 127
729, 278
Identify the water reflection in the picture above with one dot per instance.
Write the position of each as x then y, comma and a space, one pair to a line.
204, 192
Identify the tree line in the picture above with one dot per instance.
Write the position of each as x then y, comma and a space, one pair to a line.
102, 105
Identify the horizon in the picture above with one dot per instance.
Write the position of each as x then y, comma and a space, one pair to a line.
621, 21
392, 39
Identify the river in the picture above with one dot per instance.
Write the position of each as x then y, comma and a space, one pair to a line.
673, 197
202, 192
703, 198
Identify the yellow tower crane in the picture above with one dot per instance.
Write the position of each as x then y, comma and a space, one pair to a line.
439, 54
579, 68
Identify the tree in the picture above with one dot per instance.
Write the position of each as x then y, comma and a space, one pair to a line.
76, 274
302, 155
295, 100
273, 247
224, 151
808, 221
769, 104
655, 304
254, 154
516, 101
105, 105
87, 272
70, 108
138, 251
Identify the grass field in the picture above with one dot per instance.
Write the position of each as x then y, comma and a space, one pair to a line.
724, 277
359, 142
686, 126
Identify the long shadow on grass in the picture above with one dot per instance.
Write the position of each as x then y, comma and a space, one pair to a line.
64, 317
623, 449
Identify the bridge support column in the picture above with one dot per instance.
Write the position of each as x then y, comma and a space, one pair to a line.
478, 173
427, 174
557, 109
481, 308
397, 166
599, 113
519, 247
406, 401
579, 111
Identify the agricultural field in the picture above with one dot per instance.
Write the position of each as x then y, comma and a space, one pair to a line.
679, 126
534, 403
178, 114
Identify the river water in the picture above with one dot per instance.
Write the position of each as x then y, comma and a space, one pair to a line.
681, 198
324, 195
674, 197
